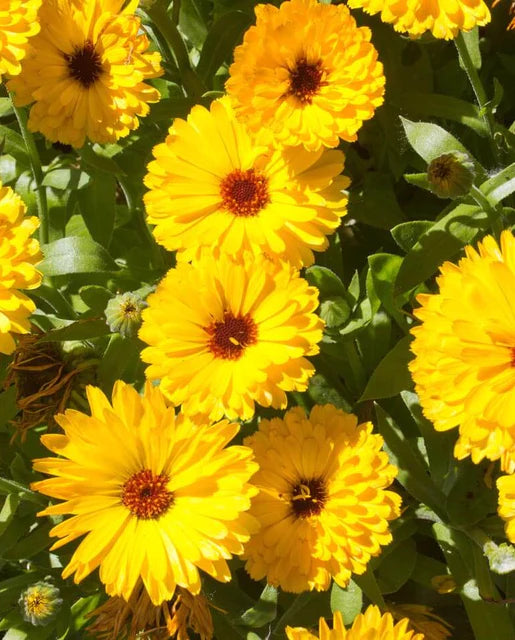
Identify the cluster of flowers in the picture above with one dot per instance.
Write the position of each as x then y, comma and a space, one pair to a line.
159, 496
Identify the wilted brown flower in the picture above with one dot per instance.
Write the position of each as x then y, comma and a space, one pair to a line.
422, 620
138, 618
45, 378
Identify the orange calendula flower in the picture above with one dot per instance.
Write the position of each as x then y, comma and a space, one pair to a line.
85, 72
307, 72
225, 335
18, 23
322, 503
464, 366
443, 18
213, 186
155, 496
370, 625
19, 253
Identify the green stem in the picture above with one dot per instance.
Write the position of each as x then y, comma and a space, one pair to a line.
37, 173
493, 216
479, 90
137, 211
168, 29
290, 614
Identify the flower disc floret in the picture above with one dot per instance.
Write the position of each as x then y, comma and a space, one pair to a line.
225, 335
213, 185
443, 18
464, 369
19, 253
85, 72
18, 23
370, 625
306, 72
154, 496
322, 503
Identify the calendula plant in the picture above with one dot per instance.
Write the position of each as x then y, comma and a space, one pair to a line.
257, 320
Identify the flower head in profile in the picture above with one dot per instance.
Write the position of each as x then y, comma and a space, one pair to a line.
370, 625
154, 496
85, 72
225, 335
464, 366
19, 22
212, 185
323, 502
506, 487
443, 18
117, 619
19, 253
306, 72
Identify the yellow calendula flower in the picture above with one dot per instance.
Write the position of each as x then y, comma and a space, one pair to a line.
506, 487
19, 253
85, 72
464, 366
370, 625
322, 503
213, 185
18, 23
156, 497
423, 620
307, 72
443, 18
224, 335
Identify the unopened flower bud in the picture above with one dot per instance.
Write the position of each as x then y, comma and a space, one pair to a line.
40, 603
123, 313
451, 175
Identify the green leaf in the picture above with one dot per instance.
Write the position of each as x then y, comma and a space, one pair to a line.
75, 255
95, 296
407, 234
326, 281
97, 206
413, 472
396, 566
66, 179
391, 375
471, 40
37, 540
441, 242
443, 106
418, 180
120, 354
500, 186
384, 268
81, 608
79, 330
12, 143
469, 499
430, 141
347, 601
223, 36
264, 611
97, 157
335, 311
375, 202
8, 511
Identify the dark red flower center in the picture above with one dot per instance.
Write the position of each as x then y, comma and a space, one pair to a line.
308, 497
306, 80
244, 193
229, 337
84, 64
146, 496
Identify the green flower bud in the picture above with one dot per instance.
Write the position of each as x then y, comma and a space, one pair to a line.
451, 175
40, 603
123, 313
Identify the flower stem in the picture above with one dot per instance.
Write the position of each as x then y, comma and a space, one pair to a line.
493, 216
37, 173
479, 90
168, 29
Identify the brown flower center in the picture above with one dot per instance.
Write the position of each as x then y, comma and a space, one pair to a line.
308, 497
244, 193
306, 80
84, 64
145, 495
230, 336
441, 168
